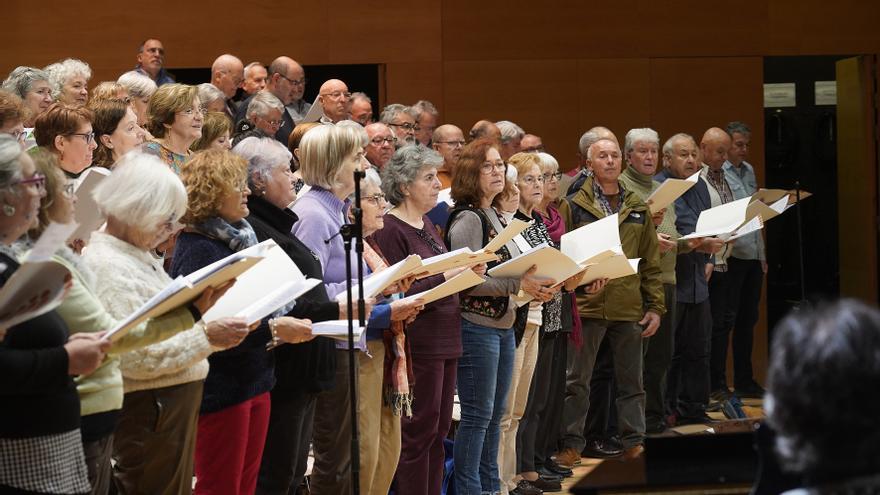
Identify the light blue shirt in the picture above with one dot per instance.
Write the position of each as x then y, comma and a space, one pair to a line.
743, 184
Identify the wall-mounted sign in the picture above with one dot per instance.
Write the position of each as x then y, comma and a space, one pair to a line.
779, 95
826, 92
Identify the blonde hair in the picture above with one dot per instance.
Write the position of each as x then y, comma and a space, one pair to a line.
323, 151
165, 103
108, 90
214, 125
46, 163
523, 162
209, 176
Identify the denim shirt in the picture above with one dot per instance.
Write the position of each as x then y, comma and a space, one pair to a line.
743, 184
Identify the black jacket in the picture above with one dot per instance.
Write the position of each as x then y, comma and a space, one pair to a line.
311, 366
281, 134
690, 279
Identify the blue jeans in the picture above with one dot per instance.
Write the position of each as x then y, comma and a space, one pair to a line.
484, 372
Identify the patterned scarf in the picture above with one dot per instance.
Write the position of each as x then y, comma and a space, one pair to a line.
398, 365
237, 236
602, 199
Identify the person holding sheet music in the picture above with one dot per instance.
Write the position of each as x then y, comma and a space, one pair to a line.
628, 310
154, 438
234, 415
688, 376
329, 156
40, 444
488, 314
301, 370
411, 184
101, 392
641, 149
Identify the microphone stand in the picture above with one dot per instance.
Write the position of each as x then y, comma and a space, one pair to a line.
354, 231
800, 235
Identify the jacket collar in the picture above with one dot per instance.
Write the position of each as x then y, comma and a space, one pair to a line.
587, 200
277, 218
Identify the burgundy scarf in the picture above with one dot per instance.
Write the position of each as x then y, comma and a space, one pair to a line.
396, 391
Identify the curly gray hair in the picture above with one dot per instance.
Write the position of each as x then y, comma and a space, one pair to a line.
403, 168
263, 156
60, 72
22, 79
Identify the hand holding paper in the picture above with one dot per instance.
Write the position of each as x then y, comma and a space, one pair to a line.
226, 333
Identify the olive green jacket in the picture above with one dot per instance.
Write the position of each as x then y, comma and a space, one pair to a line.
626, 298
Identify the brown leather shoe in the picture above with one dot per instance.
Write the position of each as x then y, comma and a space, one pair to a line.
633, 453
567, 458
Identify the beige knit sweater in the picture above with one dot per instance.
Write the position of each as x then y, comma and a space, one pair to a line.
126, 277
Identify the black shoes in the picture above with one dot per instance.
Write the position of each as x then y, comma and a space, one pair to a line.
601, 449
551, 467
526, 488
751, 391
550, 476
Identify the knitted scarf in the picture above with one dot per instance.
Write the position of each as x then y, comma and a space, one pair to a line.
398, 365
237, 236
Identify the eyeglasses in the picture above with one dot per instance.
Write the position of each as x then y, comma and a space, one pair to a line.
38, 180
297, 82
530, 180
379, 141
88, 136
189, 112
407, 126
557, 176
19, 135
489, 167
277, 124
69, 188
337, 94
455, 144
376, 199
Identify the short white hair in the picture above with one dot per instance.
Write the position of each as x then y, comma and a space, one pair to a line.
360, 95
208, 93
141, 192
60, 72
137, 84
547, 160
248, 67
263, 156
390, 112
371, 178
509, 131
262, 103
644, 135
667, 146
590, 149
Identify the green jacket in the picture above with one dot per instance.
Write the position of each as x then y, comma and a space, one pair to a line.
627, 298
101, 390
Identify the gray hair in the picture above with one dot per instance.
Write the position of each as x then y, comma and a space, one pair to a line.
137, 84
547, 160
60, 72
739, 127
644, 134
251, 65
208, 93
667, 146
22, 79
425, 106
403, 168
390, 112
141, 192
10, 167
586, 141
361, 95
509, 131
263, 156
357, 128
371, 178
262, 103
590, 149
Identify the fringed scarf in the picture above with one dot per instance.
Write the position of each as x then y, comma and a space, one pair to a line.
396, 391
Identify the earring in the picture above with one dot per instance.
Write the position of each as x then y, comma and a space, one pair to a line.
8, 210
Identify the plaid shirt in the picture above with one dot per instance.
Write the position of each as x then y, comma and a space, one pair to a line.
719, 183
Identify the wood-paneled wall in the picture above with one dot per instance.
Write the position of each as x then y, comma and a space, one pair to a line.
556, 67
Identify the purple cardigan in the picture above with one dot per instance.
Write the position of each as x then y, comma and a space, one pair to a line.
321, 215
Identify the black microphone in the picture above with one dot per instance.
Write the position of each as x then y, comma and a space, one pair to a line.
327, 240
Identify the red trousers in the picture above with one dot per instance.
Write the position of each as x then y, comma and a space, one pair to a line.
229, 447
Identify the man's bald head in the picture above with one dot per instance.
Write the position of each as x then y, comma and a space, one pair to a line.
281, 72
381, 146
334, 98
448, 140
714, 147
227, 73
485, 129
